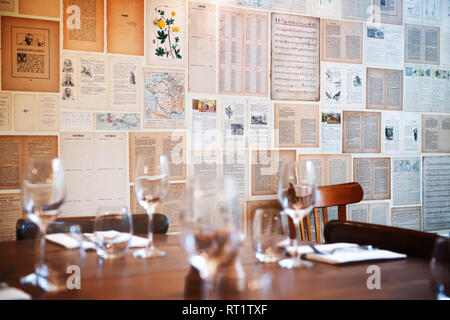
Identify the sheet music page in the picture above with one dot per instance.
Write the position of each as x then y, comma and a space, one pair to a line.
163, 98
125, 27
166, 33
92, 81
406, 181
407, 218
342, 41
170, 144
295, 57
202, 47
384, 45
83, 25
124, 82
10, 212
259, 124
331, 132
436, 202
5, 111
296, 125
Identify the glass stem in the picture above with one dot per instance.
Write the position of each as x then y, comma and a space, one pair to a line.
42, 233
298, 237
150, 212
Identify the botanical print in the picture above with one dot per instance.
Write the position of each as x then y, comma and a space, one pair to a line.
166, 34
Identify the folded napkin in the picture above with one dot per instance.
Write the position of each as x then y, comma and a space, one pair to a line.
70, 242
10, 293
345, 253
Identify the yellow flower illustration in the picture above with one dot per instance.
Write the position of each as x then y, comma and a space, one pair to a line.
175, 29
161, 23
173, 14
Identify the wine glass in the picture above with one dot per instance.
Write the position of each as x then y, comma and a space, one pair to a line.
210, 229
43, 193
151, 185
297, 199
440, 269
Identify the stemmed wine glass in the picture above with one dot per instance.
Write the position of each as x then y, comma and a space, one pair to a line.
151, 185
296, 196
43, 193
210, 229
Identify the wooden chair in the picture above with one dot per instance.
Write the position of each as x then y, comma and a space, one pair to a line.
329, 196
413, 243
25, 229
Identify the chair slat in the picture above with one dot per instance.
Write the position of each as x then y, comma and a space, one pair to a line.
316, 223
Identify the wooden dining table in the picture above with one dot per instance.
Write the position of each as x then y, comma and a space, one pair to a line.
170, 277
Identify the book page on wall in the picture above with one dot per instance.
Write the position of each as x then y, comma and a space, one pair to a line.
342, 84
125, 26
411, 133
10, 212
342, 41
406, 181
112, 121
83, 25
265, 169
166, 33
76, 121
92, 76
46, 8
374, 176
16, 149
8, 5
259, 124
154, 144
171, 207
329, 169
69, 83
392, 135
384, 89
253, 205
234, 165
163, 97
422, 44
407, 217
36, 113
96, 176
30, 54
296, 125
329, 9
5, 111
123, 83
202, 47
384, 45
361, 132
435, 133
330, 132
379, 213
295, 67
435, 190
233, 127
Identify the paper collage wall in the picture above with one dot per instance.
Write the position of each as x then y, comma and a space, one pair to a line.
360, 88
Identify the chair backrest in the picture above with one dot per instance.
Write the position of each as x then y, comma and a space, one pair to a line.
329, 196
413, 243
25, 229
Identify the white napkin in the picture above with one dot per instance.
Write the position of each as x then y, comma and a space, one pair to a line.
10, 293
69, 242
348, 252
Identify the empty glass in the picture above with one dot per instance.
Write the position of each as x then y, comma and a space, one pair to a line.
440, 269
296, 194
113, 231
151, 185
269, 230
42, 194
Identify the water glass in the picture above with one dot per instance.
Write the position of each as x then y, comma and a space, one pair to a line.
269, 230
440, 269
113, 231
